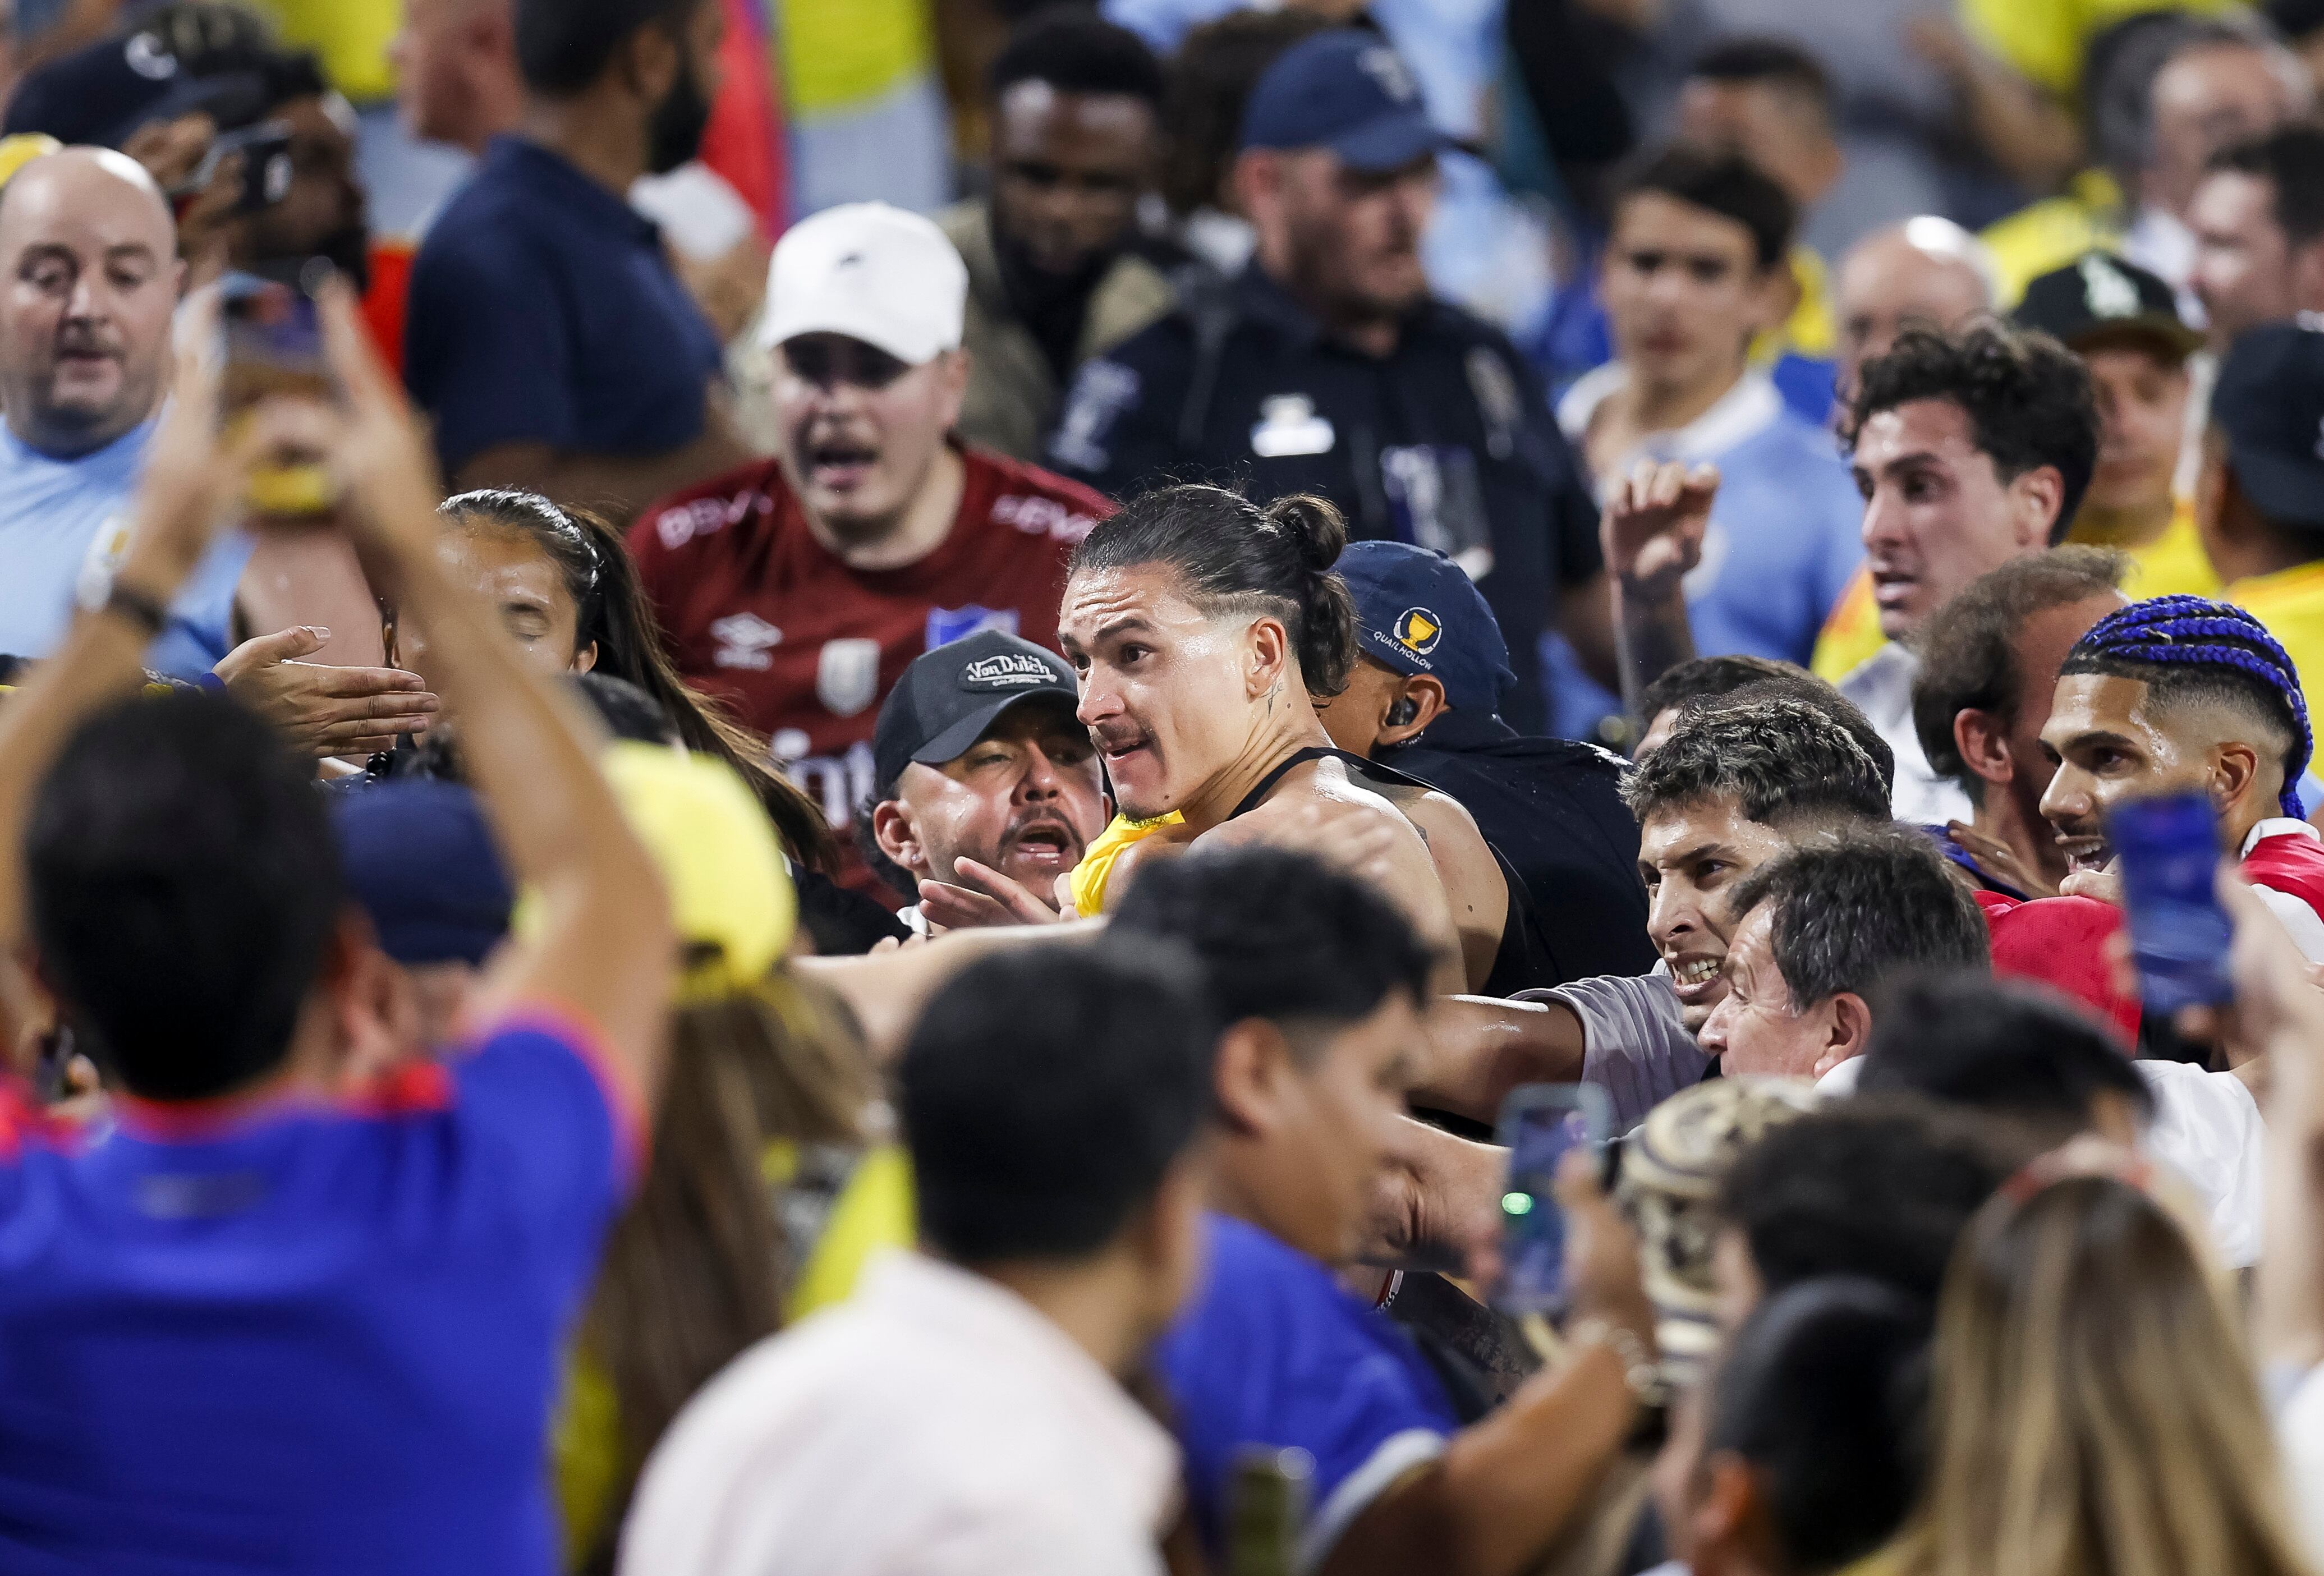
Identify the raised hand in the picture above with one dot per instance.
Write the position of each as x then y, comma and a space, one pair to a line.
1653, 526
984, 897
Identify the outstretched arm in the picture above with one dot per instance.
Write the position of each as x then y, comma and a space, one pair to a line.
604, 948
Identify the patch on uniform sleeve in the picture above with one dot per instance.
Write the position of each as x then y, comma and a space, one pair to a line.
1102, 392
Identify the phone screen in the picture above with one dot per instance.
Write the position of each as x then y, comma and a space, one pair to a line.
2168, 854
1540, 1125
273, 345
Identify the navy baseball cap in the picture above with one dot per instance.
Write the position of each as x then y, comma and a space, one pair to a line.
1416, 611
948, 696
420, 860
102, 93
1348, 91
2269, 405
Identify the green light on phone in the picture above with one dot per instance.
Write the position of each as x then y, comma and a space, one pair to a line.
1517, 1204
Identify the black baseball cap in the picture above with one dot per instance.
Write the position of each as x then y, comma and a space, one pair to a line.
2100, 296
2269, 406
949, 696
1347, 90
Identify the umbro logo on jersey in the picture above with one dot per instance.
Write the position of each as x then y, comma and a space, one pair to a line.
743, 641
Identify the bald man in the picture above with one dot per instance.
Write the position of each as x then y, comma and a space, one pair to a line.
1926, 273
89, 282
455, 71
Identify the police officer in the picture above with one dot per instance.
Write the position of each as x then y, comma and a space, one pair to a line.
1325, 367
1430, 675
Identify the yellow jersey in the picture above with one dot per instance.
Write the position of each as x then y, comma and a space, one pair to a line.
2290, 604
2045, 40
2052, 233
2173, 564
1850, 633
352, 37
1089, 877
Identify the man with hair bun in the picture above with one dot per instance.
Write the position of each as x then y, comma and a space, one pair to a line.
2183, 693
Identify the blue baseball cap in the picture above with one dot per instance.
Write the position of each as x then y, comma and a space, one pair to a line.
1348, 91
420, 860
1416, 611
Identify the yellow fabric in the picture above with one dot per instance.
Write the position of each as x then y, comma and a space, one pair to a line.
2290, 604
1850, 633
1808, 331
838, 55
2052, 233
584, 1453
729, 886
2044, 40
351, 35
2173, 564
872, 1213
21, 149
1089, 877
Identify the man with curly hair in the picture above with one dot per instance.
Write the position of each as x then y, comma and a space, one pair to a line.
1970, 449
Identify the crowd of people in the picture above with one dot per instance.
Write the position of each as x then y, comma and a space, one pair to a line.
711, 875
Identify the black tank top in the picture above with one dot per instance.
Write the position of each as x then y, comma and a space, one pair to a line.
1522, 962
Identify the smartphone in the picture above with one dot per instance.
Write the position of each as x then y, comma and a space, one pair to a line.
267, 167
273, 345
2167, 853
1540, 1125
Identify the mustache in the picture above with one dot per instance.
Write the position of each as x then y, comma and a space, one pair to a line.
78, 339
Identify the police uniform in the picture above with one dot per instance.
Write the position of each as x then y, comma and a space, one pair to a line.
1446, 442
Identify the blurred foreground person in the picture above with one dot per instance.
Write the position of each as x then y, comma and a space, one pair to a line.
2095, 1407
1320, 984
1802, 1454
963, 1411
766, 1189
281, 1332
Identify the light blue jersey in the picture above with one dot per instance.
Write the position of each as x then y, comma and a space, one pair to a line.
60, 519
1786, 536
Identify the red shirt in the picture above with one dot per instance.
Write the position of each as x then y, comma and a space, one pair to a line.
804, 648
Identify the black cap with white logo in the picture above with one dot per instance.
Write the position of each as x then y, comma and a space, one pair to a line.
949, 696
2099, 297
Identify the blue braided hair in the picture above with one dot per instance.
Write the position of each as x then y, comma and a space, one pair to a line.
2181, 642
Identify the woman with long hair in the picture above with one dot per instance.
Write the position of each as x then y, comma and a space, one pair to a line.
768, 1178
2095, 1409
567, 591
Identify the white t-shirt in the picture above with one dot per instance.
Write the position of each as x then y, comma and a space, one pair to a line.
1881, 686
2207, 1128
935, 1423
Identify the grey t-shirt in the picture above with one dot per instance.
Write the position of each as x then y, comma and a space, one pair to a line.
1635, 1046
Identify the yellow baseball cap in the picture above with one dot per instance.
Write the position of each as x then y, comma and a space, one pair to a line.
21, 149
730, 890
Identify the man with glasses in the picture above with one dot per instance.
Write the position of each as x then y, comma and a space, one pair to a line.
797, 589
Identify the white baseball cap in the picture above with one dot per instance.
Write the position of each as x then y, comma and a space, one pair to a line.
872, 273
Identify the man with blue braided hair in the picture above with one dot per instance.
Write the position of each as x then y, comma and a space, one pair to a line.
2179, 693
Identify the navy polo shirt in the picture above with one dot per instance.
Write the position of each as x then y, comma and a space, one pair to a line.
544, 310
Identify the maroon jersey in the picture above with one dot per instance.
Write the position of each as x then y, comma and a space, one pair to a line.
804, 648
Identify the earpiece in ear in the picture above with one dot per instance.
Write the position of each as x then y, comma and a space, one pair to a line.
1406, 711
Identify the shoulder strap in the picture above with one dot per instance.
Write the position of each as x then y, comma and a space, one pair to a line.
1357, 764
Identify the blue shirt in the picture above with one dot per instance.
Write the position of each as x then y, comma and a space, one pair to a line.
1786, 535
543, 310
59, 517
1274, 1351
304, 1338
